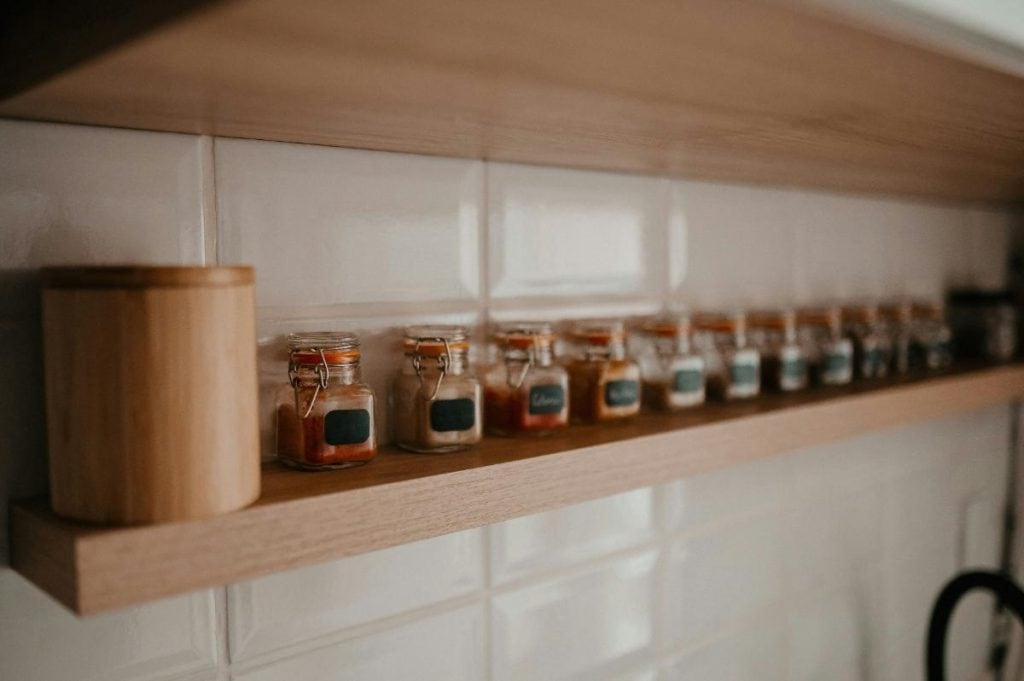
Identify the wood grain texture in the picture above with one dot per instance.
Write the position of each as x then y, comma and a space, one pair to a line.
764, 91
151, 393
306, 518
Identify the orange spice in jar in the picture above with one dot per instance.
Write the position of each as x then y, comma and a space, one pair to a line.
783, 361
897, 319
525, 392
604, 383
871, 344
829, 353
673, 374
325, 420
437, 400
733, 366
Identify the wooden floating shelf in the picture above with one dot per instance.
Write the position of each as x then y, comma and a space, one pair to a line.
778, 92
307, 518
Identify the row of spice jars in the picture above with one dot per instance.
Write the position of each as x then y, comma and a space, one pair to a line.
325, 419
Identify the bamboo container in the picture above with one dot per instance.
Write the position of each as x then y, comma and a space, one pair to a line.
151, 393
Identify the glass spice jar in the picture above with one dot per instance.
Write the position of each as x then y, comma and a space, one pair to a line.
984, 324
325, 419
733, 367
897, 318
871, 343
829, 353
436, 399
604, 383
931, 345
783, 362
525, 392
673, 373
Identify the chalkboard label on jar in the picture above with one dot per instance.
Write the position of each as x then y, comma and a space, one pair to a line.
837, 364
621, 393
687, 381
547, 399
346, 426
794, 369
449, 415
743, 373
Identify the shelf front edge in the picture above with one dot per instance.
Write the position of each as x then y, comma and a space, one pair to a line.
92, 570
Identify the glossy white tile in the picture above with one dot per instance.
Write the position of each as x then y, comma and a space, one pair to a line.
719, 496
584, 625
328, 226
287, 608
446, 647
41, 641
557, 232
80, 195
715, 579
754, 652
570, 535
827, 636
740, 245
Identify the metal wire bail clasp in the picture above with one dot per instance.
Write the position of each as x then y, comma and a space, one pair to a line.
443, 363
323, 372
531, 353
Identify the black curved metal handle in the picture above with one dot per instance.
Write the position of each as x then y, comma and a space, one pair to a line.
1008, 593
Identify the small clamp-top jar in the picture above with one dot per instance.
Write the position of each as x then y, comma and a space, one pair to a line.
783, 362
604, 383
733, 366
673, 373
872, 347
829, 353
931, 338
325, 420
897, 319
437, 401
525, 392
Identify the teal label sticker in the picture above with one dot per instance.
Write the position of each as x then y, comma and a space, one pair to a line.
836, 364
449, 415
743, 374
874, 361
794, 369
688, 381
547, 399
621, 393
346, 426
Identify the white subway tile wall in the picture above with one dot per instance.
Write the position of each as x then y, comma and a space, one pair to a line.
819, 564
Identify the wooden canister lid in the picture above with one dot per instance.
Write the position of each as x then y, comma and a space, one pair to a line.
134, 276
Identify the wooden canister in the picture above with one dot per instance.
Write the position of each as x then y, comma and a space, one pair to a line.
151, 392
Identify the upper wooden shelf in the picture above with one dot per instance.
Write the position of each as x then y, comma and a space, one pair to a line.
764, 91
305, 518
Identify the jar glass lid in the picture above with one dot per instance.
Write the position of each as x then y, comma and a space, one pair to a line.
599, 331
433, 341
316, 347
523, 335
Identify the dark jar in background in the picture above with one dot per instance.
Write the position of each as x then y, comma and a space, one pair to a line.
525, 391
604, 382
326, 418
984, 324
783, 362
436, 398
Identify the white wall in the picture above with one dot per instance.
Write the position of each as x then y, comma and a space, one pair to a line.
816, 565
